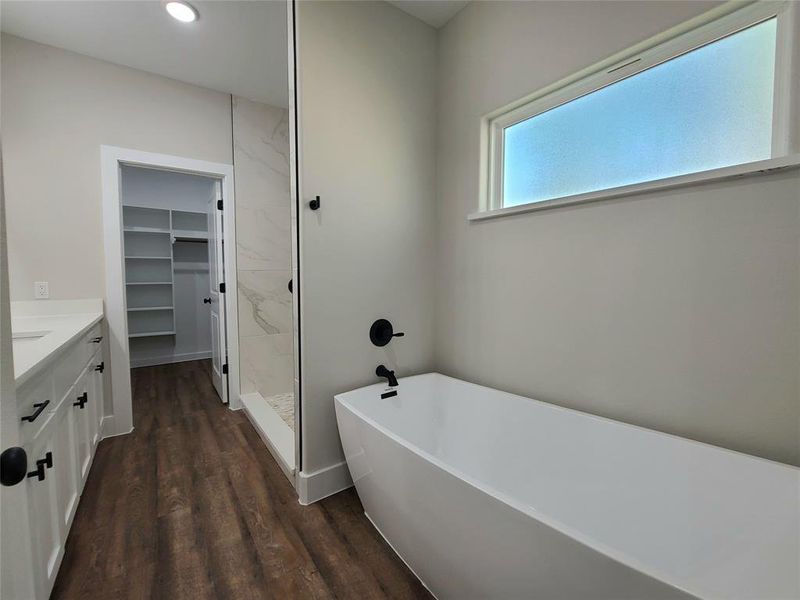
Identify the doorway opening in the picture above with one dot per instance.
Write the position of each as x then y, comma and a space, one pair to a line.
167, 220
170, 225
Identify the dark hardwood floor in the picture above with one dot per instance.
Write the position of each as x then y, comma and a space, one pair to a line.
192, 505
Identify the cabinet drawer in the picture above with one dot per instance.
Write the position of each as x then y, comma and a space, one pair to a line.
91, 342
36, 402
94, 339
70, 366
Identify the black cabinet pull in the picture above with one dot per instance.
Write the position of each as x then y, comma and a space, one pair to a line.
97, 340
100, 367
81, 401
206, 300
39, 406
39, 472
41, 464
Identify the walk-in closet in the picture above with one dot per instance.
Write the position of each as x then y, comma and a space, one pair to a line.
165, 232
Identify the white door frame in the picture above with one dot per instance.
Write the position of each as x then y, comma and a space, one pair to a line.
111, 158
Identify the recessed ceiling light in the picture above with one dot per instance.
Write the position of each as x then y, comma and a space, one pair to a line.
182, 11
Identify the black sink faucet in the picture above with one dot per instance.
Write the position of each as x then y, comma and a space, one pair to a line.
382, 371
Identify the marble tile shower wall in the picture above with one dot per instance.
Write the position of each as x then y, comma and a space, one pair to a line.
263, 246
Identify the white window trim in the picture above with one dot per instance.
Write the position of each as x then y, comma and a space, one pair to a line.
761, 167
704, 29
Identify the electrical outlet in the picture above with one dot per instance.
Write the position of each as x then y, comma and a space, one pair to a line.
41, 289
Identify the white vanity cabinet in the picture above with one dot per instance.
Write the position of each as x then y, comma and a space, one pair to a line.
61, 406
80, 407
47, 542
66, 475
95, 385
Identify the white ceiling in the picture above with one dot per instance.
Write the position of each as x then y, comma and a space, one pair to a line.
236, 46
432, 12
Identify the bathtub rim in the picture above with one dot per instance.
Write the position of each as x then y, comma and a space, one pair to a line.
530, 511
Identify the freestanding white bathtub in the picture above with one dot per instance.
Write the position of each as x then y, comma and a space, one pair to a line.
486, 494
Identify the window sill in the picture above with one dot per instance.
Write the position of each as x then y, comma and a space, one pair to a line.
761, 167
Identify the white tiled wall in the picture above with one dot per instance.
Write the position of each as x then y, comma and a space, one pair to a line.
264, 250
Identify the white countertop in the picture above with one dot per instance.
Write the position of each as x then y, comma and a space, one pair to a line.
42, 328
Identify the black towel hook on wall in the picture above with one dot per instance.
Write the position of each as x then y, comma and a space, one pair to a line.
315, 203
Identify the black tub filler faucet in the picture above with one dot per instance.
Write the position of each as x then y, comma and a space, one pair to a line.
382, 371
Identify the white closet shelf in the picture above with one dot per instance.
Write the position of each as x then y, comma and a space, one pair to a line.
150, 268
192, 234
130, 229
150, 334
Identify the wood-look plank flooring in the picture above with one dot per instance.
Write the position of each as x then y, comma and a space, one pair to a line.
192, 505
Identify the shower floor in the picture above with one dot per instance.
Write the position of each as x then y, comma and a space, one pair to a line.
283, 404
273, 418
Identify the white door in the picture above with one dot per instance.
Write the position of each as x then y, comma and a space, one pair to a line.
216, 254
16, 572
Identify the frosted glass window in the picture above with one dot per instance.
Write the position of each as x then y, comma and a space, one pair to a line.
706, 109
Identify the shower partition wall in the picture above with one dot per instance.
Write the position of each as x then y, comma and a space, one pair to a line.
264, 269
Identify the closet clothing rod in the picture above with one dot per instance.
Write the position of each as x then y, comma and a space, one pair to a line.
190, 241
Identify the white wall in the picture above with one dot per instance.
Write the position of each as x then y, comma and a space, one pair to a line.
58, 108
367, 114
672, 310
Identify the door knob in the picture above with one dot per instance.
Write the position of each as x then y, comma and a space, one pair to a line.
13, 465
206, 300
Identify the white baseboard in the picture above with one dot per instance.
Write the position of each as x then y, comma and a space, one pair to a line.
168, 359
275, 433
108, 428
234, 402
319, 484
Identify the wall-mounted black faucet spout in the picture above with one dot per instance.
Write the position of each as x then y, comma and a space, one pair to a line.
382, 371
